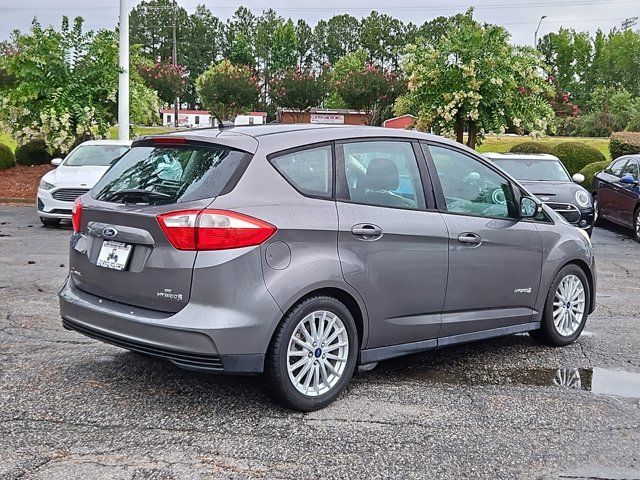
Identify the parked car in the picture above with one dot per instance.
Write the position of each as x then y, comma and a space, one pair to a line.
616, 194
74, 176
547, 178
305, 251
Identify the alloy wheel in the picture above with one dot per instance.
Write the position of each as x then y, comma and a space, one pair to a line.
317, 353
636, 224
569, 305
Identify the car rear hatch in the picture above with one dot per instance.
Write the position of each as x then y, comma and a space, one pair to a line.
132, 242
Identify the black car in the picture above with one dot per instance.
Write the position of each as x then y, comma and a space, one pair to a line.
616, 194
546, 177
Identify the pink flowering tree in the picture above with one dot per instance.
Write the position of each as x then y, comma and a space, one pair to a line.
165, 78
298, 89
371, 89
228, 89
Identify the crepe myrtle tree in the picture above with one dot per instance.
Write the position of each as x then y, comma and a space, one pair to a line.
298, 89
228, 90
474, 80
61, 86
367, 87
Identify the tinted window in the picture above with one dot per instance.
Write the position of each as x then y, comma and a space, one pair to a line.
101, 155
309, 171
630, 168
521, 169
170, 174
384, 174
470, 187
616, 167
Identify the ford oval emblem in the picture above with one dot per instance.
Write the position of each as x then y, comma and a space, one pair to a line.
109, 232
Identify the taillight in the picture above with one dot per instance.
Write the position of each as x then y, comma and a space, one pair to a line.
76, 215
213, 229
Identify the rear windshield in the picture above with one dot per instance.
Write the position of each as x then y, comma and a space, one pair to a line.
100, 155
169, 174
550, 170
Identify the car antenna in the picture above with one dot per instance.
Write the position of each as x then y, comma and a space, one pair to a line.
221, 123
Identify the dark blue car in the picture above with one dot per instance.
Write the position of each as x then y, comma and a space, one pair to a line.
616, 194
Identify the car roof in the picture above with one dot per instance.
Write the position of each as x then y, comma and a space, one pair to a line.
278, 137
124, 143
519, 156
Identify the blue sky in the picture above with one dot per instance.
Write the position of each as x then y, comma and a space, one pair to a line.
520, 17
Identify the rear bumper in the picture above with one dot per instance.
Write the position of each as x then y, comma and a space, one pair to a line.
198, 337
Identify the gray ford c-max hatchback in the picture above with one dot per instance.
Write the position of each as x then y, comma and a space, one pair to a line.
305, 251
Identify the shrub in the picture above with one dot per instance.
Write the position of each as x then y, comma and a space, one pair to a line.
33, 152
7, 158
530, 147
624, 143
575, 155
590, 171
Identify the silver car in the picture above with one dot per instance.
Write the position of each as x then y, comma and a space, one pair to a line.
302, 252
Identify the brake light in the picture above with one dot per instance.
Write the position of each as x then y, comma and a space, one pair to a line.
213, 229
169, 140
76, 215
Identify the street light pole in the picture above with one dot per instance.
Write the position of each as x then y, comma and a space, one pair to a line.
123, 78
535, 35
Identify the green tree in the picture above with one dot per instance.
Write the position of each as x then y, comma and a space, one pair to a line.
304, 37
227, 89
239, 31
150, 26
382, 38
298, 89
285, 47
342, 37
65, 88
473, 79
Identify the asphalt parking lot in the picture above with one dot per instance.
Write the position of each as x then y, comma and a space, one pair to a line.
71, 407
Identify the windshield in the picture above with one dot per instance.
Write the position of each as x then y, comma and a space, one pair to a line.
100, 155
170, 174
547, 170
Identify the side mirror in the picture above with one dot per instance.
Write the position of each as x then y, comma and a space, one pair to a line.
578, 178
628, 179
528, 207
56, 162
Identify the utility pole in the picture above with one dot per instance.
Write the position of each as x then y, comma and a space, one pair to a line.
123, 77
627, 23
176, 100
535, 35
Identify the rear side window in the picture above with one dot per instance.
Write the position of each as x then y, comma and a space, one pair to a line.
309, 171
169, 174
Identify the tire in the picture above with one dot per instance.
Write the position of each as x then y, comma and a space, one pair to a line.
597, 222
554, 333
50, 222
636, 224
312, 358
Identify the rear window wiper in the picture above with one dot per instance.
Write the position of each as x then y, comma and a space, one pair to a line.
138, 193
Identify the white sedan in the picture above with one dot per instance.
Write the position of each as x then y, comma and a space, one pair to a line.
75, 176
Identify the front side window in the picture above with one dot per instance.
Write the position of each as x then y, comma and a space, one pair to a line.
631, 168
616, 167
309, 171
170, 174
95, 155
470, 187
383, 173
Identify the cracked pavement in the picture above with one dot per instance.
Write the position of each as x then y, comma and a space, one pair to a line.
72, 407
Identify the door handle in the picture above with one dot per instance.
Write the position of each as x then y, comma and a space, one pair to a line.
366, 231
470, 239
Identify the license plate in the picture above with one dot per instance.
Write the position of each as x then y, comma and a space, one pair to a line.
114, 255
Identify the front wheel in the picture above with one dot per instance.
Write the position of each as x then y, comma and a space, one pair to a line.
597, 221
636, 225
313, 354
566, 308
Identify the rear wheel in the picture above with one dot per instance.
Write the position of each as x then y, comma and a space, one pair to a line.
566, 309
636, 225
313, 354
50, 222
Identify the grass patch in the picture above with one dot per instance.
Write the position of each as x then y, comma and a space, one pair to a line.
8, 141
502, 143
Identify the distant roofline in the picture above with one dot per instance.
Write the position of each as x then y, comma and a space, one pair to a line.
328, 111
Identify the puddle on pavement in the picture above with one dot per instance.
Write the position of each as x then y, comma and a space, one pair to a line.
595, 380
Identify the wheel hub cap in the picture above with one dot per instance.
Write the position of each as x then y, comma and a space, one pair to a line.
317, 353
569, 305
